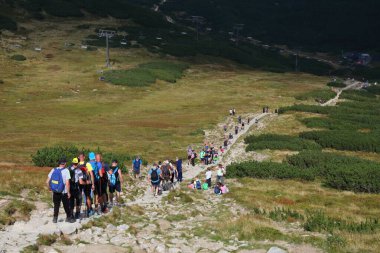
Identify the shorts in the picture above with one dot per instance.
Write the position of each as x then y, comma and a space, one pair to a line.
100, 188
155, 184
116, 187
136, 172
188, 157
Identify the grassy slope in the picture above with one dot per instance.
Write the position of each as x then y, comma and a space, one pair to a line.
156, 121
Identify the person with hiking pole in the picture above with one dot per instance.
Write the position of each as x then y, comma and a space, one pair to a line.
94, 169
115, 182
137, 162
58, 182
154, 177
76, 186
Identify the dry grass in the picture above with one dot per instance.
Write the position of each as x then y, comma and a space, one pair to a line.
50, 101
302, 196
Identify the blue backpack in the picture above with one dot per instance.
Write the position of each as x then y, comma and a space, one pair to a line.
198, 185
136, 164
95, 170
216, 190
112, 177
56, 181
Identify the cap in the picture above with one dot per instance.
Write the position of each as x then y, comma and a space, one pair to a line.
91, 156
75, 160
62, 160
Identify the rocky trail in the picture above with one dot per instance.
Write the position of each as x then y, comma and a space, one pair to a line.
172, 222
349, 85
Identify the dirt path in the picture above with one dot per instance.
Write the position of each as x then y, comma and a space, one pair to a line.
349, 85
16, 237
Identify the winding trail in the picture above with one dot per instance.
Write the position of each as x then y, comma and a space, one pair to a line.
349, 85
21, 234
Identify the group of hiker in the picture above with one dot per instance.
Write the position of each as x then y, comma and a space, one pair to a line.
93, 182
219, 188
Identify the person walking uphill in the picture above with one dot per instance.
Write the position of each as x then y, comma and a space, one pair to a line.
76, 185
115, 181
154, 176
58, 182
136, 167
179, 169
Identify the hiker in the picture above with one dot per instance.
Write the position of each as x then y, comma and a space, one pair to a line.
223, 188
198, 184
104, 198
225, 144
58, 182
242, 125
115, 181
236, 130
95, 166
220, 174
239, 119
230, 136
217, 189
193, 157
76, 186
189, 154
208, 176
231, 112
179, 169
154, 176
202, 155
225, 128
87, 187
137, 162
173, 171
248, 120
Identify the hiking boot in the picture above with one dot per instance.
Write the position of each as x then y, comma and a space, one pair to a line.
55, 219
105, 210
70, 220
77, 215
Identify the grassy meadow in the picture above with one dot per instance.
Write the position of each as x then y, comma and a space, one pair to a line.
55, 97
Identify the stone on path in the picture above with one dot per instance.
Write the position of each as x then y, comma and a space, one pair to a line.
276, 250
163, 224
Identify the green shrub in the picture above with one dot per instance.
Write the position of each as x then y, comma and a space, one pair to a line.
30, 249
280, 142
320, 96
49, 156
336, 84
319, 222
146, 74
131, 77
268, 170
345, 140
306, 108
358, 95
7, 23
18, 57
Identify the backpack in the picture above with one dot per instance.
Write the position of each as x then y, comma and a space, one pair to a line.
216, 190
166, 172
205, 186
198, 185
56, 181
154, 175
136, 164
83, 168
112, 177
73, 185
95, 170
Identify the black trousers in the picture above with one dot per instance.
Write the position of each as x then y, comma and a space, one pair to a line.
57, 199
75, 200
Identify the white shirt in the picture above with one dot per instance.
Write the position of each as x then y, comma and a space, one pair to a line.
220, 172
208, 174
65, 176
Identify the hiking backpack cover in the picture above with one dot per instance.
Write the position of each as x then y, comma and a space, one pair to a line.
56, 181
112, 177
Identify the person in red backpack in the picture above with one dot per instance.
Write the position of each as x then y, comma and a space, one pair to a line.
58, 182
86, 188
